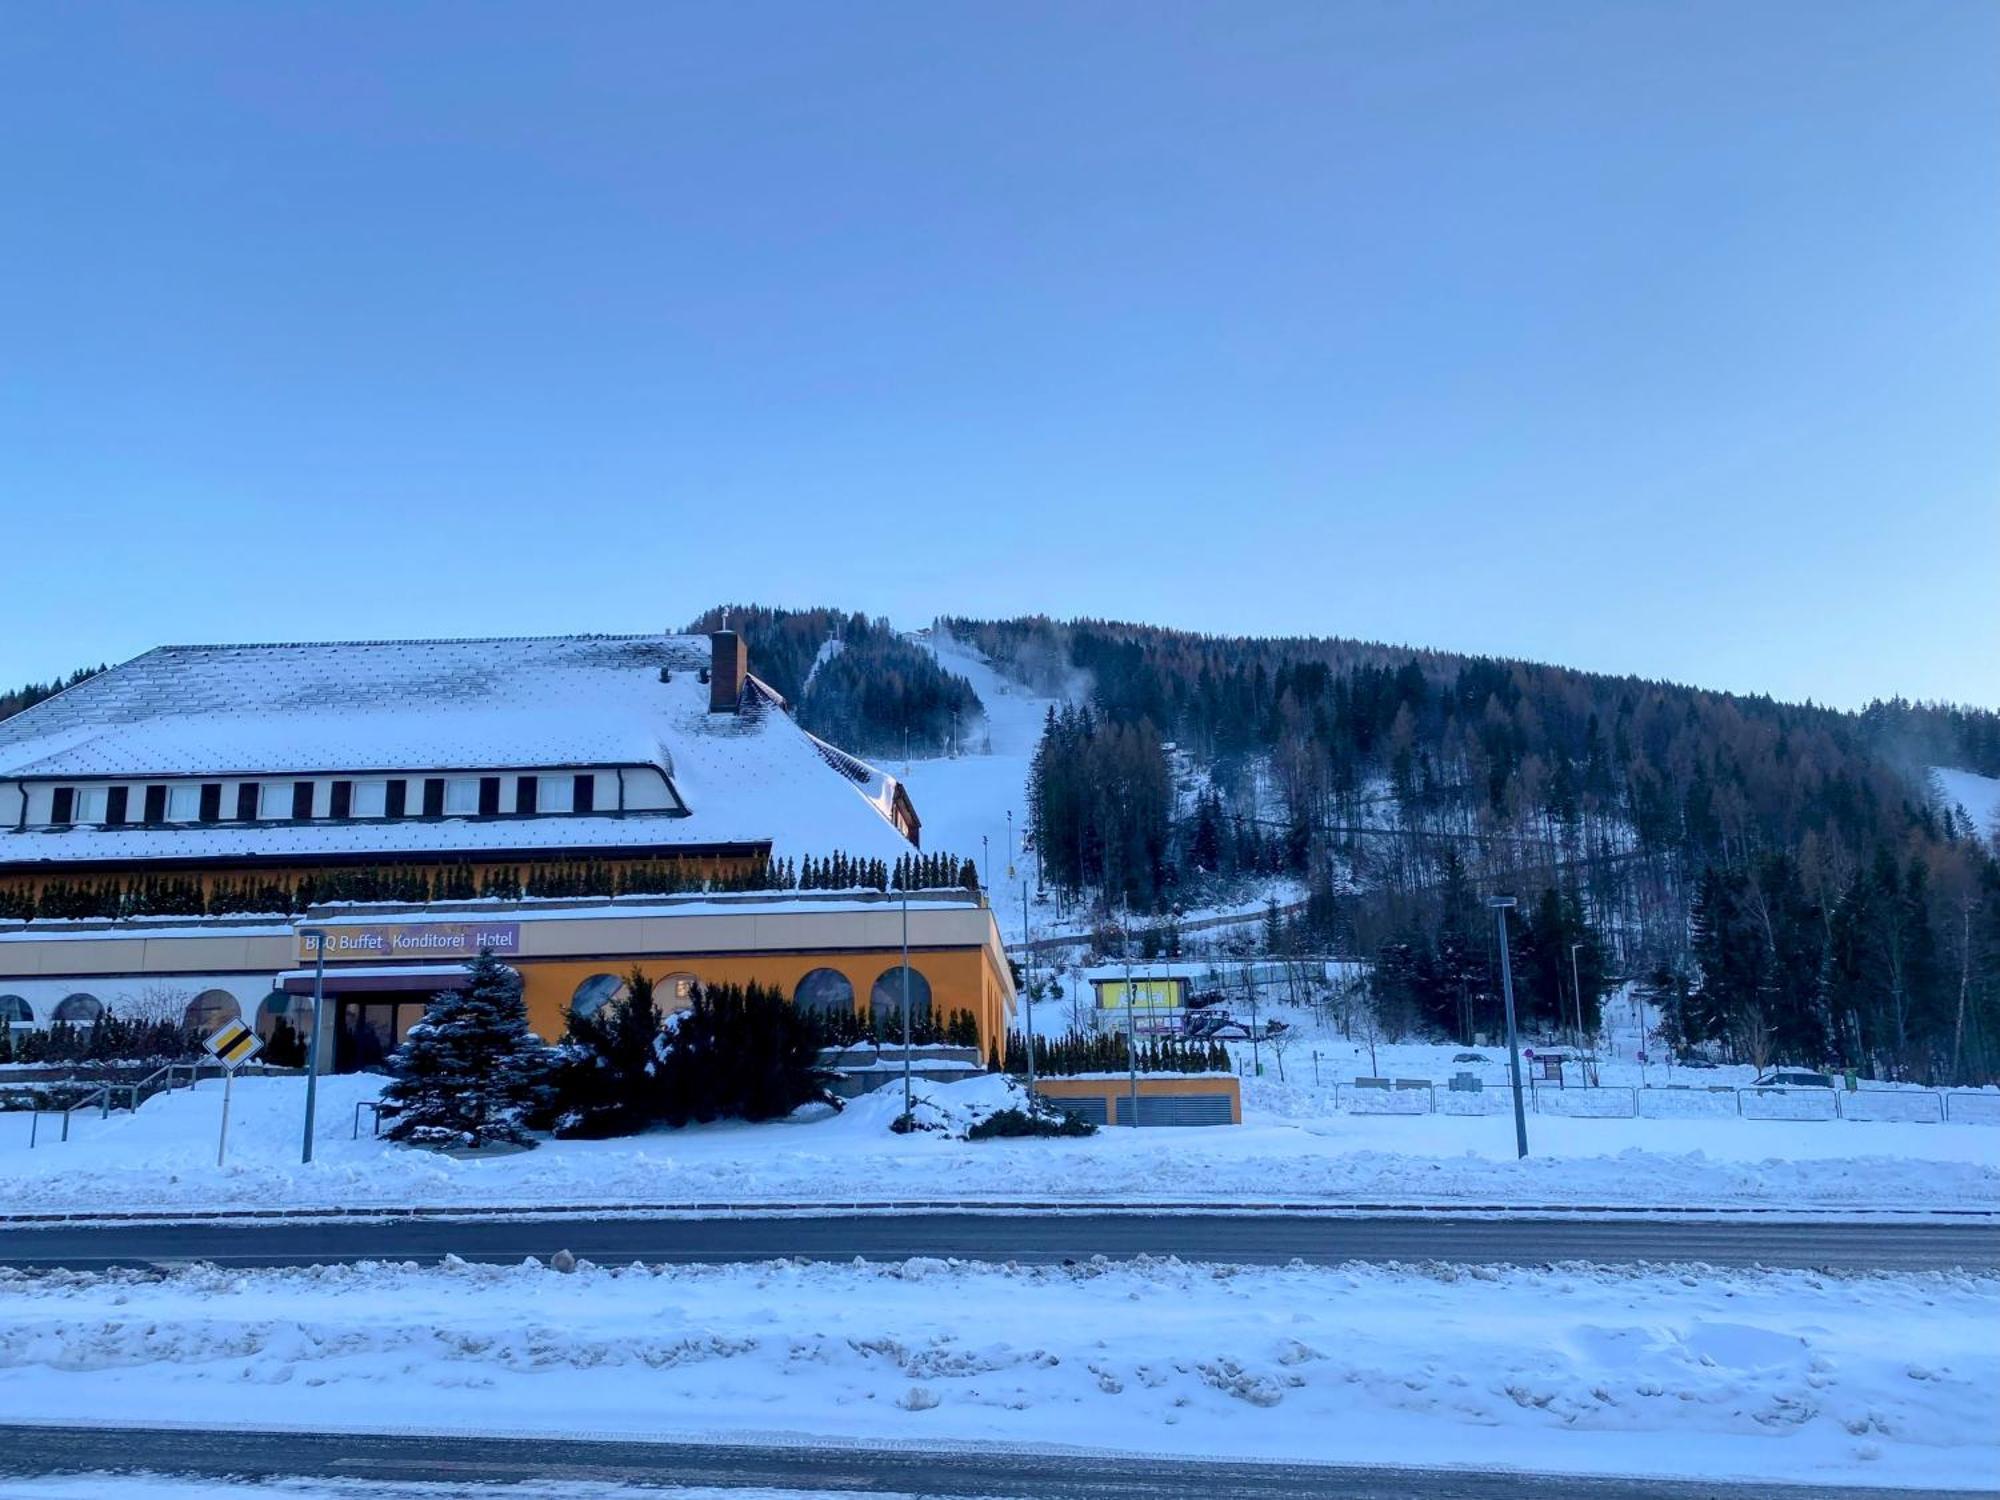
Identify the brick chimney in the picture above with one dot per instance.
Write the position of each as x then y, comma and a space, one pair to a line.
728, 666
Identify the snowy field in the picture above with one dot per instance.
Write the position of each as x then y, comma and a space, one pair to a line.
1670, 1371
173, 1487
1289, 1149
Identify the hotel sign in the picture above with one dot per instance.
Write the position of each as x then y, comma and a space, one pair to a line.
401, 942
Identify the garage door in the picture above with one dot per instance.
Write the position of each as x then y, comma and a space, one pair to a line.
1177, 1109
1090, 1107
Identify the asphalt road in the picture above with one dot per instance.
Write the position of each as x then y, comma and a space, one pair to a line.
1028, 1238
468, 1463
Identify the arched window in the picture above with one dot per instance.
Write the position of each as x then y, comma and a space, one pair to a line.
278, 1005
79, 1009
675, 992
823, 992
595, 993
14, 1011
887, 995
210, 1009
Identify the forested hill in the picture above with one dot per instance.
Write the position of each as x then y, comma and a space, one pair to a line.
857, 682
1783, 874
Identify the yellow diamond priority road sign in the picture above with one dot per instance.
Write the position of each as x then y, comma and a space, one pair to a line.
233, 1045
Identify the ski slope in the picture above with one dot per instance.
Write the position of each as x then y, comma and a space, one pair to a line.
1978, 795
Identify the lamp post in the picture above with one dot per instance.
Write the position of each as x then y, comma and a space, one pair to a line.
318, 936
1131, 1029
1500, 904
906, 1007
1028, 991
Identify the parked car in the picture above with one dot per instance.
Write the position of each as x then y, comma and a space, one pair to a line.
1469, 1057
1793, 1078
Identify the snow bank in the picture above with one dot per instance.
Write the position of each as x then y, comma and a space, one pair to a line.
163, 1158
1692, 1372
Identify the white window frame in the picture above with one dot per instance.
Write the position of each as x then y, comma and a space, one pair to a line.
369, 799
91, 804
461, 796
183, 801
274, 801
554, 793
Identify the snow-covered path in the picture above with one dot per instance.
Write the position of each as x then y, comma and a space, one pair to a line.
1688, 1372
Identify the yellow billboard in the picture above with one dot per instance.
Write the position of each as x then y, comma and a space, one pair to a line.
1147, 994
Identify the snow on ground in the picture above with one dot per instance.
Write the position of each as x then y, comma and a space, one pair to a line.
1684, 1371
179, 1487
1289, 1149
1978, 795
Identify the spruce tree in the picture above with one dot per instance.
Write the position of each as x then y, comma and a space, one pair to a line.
470, 1071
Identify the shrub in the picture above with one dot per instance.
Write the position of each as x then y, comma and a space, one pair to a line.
1018, 1122
738, 1053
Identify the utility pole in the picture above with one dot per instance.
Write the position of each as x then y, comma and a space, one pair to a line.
1577, 985
318, 936
1500, 904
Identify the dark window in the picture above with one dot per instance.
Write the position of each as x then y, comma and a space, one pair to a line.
246, 801
396, 799
62, 805
489, 796
117, 804
156, 804
211, 802
341, 803
433, 796
585, 799
524, 794
302, 800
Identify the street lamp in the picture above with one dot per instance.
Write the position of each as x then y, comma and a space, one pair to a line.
1028, 993
1500, 905
906, 1007
318, 936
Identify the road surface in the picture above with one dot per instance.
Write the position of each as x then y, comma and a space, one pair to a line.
1030, 1238
462, 1463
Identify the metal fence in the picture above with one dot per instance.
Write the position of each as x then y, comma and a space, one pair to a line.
1419, 1096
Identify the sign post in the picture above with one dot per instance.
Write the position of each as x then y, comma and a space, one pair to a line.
232, 1045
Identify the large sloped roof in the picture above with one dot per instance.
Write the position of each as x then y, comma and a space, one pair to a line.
489, 704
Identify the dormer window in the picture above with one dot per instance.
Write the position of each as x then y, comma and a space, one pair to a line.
370, 799
183, 802
62, 805
461, 796
552, 794
92, 804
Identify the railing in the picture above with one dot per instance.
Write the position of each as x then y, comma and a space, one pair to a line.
160, 1081
100, 1096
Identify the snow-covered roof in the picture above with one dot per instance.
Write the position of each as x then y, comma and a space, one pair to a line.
365, 705
747, 777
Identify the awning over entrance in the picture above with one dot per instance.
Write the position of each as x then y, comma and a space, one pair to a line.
362, 979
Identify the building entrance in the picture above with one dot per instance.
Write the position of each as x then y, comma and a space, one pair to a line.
370, 1028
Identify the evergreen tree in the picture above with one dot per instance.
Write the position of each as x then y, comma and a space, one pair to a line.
470, 1072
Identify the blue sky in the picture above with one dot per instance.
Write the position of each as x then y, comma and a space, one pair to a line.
1639, 337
